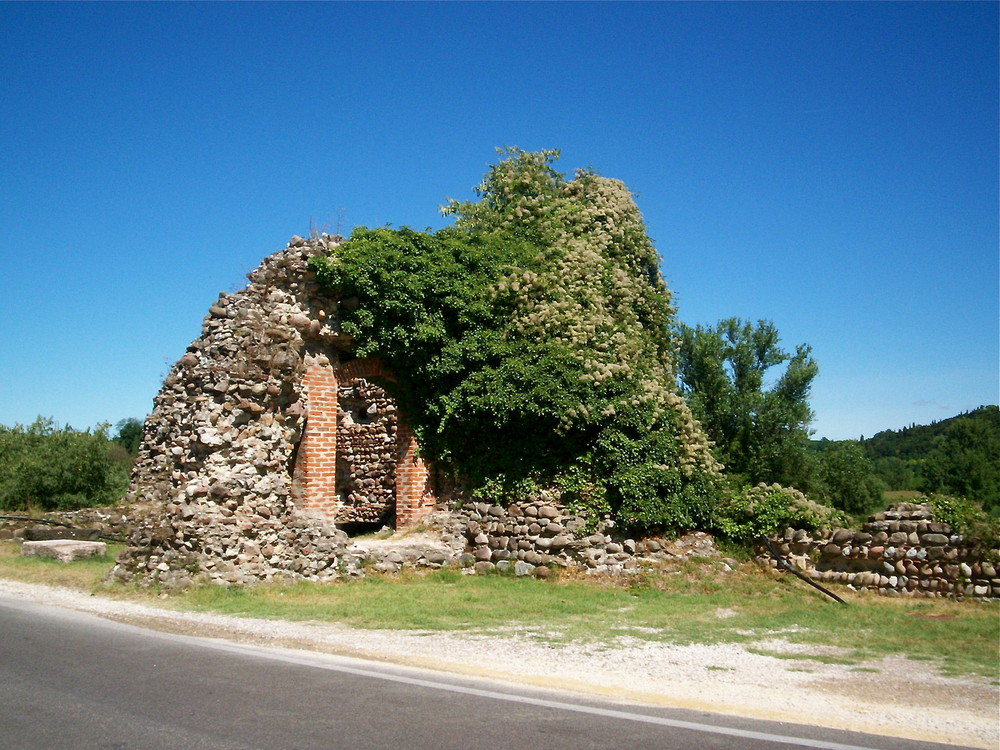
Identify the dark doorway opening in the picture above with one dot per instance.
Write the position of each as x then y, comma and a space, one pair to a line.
358, 528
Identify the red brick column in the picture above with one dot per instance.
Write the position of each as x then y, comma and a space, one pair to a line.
316, 467
414, 497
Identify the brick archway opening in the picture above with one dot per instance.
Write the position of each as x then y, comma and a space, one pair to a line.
358, 461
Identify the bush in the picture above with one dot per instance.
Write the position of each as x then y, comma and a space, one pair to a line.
764, 510
967, 518
46, 467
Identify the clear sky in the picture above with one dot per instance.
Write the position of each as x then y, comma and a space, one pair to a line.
831, 167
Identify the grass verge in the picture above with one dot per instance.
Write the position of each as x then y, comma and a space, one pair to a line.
777, 616
81, 574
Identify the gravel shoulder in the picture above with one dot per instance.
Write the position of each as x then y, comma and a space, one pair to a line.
891, 696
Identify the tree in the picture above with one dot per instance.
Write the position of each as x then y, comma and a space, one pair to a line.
846, 478
129, 435
897, 473
960, 452
760, 431
47, 467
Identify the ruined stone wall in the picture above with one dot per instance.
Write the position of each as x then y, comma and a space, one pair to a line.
900, 551
536, 536
361, 465
213, 483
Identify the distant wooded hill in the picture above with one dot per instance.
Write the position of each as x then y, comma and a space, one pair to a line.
956, 456
916, 441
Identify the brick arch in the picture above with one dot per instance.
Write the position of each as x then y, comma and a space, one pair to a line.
368, 368
316, 466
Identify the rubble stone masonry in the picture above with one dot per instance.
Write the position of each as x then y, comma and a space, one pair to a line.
237, 475
902, 551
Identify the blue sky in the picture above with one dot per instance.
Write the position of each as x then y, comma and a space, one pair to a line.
830, 167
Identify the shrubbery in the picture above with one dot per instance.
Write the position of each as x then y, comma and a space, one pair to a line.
764, 510
46, 467
966, 517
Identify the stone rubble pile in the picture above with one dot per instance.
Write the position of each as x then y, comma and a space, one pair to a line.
900, 551
437, 542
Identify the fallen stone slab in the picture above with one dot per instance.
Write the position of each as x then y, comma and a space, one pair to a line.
44, 533
63, 550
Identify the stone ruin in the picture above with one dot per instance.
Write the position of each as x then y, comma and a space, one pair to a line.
270, 441
266, 436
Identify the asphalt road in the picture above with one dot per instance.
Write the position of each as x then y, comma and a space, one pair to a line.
73, 680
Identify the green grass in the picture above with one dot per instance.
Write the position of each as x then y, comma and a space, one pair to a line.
694, 604
900, 496
80, 574
961, 638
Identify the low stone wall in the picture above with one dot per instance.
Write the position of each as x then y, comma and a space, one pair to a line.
535, 536
239, 543
531, 538
900, 551
107, 522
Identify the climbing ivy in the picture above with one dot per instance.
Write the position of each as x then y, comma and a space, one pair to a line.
531, 343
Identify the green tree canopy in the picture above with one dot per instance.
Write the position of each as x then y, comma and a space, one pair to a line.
531, 343
760, 429
129, 435
846, 479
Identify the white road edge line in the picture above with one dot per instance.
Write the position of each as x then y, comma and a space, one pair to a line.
322, 661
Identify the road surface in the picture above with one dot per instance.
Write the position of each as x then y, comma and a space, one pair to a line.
70, 679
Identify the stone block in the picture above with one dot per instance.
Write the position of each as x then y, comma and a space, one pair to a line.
63, 550
934, 540
522, 568
44, 533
